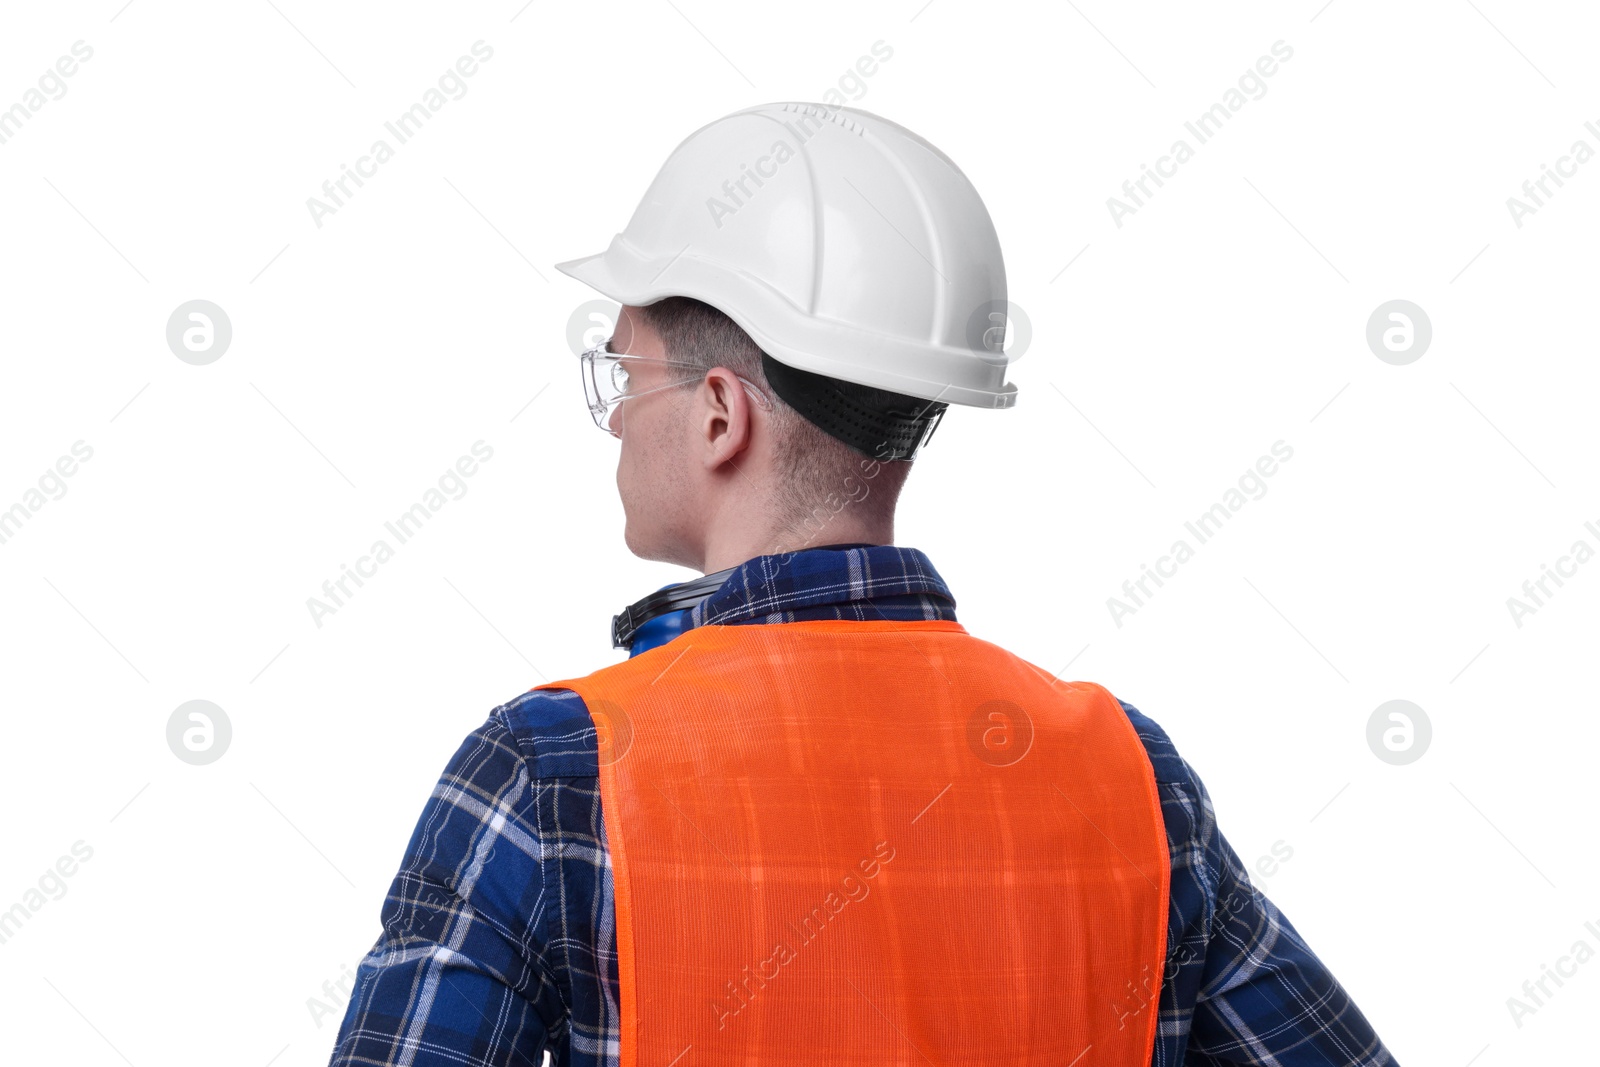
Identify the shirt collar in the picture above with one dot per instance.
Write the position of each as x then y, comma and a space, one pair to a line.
781, 583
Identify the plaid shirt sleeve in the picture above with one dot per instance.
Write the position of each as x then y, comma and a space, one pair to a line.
458, 976
1240, 986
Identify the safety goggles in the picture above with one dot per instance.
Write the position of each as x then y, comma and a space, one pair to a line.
607, 380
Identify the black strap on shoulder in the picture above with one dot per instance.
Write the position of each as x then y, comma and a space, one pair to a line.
671, 598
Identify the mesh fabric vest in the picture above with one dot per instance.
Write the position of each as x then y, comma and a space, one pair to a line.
859, 843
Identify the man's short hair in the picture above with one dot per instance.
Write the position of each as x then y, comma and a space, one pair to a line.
822, 475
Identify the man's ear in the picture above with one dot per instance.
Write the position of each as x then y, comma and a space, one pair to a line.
725, 414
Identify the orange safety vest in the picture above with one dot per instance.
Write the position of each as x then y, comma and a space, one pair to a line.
870, 843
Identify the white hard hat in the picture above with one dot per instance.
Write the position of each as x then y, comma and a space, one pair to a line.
843, 244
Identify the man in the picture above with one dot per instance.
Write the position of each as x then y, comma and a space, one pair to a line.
811, 818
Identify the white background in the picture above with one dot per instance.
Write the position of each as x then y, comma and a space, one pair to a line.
368, 354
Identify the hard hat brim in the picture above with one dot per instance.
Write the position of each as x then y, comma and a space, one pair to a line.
622, 275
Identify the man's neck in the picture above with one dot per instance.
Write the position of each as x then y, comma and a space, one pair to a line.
726, 551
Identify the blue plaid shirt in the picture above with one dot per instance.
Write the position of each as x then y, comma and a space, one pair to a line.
499, 935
